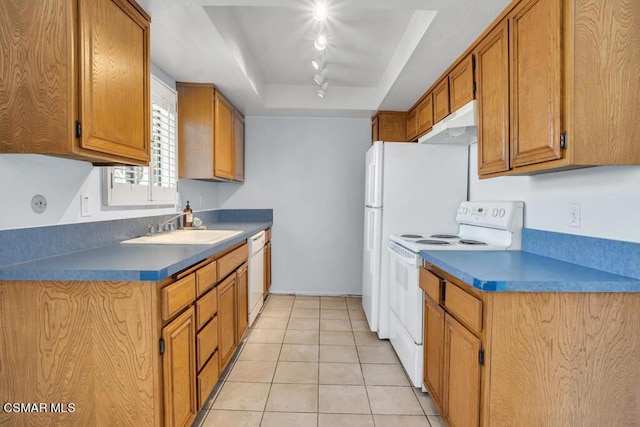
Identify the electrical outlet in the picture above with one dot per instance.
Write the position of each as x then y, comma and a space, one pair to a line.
574, 215
39, 203
84, 206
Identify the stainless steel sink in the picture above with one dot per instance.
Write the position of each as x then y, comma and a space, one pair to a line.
185, 237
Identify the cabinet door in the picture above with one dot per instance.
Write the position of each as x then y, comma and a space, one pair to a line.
441, 106
195, 130
425, 114
179, 370
223, 143
242, 299
536, 82
461, 83
238, 137
412, 124
267, 268
492, 56
114, 79
433, 349
461, 391
227, 320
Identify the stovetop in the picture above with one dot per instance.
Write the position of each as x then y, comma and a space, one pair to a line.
425, 241
482, 226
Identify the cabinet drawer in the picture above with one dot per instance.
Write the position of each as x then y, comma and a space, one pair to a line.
207, 342
464, 306
207, 380
206, 277
232, 260
206, 308
178, 295
431, 285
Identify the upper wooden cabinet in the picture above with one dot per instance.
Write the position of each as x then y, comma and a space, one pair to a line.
238, 137
224, 145
206, 133
412, 124
76, 80
536, 82
425, 114
441, 101
461, 83
420, 118
389, 126
570, 100
492, 73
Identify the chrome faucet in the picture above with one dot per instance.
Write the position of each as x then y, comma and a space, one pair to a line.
166, 226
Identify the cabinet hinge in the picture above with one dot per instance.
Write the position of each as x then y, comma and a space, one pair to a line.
161, 346
481, 357
563, 140
473, 62
78, 129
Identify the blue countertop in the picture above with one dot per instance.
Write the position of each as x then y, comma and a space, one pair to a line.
127, 262
518, 271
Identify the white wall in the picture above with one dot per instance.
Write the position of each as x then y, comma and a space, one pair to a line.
311, 172
62, 182
609, 198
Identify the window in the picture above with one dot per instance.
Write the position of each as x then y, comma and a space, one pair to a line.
158, 183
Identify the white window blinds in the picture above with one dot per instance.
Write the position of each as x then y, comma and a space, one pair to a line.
158, 183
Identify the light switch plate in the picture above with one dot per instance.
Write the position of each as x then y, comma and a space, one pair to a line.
574, 215
84, 206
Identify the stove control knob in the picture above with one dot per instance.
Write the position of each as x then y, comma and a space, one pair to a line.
465, 210
495, 212
502, 212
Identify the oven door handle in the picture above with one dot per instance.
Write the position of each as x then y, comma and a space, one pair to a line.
403, 254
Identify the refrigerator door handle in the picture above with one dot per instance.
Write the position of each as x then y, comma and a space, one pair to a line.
372, 185
371, 230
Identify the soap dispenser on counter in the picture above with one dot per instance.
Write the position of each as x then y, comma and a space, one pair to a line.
187, 217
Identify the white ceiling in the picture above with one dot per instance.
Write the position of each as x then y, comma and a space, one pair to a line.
381, 54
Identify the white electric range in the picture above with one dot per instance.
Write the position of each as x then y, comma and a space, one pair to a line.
483, 226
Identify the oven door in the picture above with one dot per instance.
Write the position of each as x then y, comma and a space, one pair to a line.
405, 295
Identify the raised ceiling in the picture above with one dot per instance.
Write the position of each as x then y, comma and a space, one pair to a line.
381, 54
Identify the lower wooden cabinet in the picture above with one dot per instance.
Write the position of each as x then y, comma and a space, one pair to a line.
242, 299
153, 352
461, 385
489, 354
207, 379
179, 370
267, 269
433, 343
227, 320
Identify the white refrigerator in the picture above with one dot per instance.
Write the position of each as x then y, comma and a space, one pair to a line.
410, 188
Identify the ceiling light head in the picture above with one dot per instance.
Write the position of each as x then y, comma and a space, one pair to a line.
320, 43
320, 11
319, 79
317, 64
322, 90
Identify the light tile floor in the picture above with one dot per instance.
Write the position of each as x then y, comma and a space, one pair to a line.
311, 361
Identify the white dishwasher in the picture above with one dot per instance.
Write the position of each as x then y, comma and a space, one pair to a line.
256, 275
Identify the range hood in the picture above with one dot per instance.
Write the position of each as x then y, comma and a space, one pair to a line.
459, 127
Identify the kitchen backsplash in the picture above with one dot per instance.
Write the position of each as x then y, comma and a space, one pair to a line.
614, 256
28, 244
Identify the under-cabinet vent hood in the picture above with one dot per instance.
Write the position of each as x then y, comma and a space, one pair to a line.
459, 127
